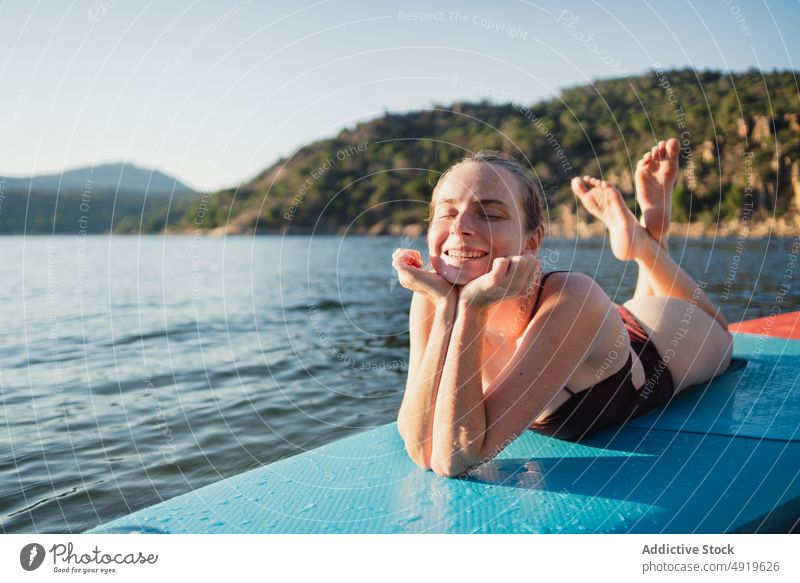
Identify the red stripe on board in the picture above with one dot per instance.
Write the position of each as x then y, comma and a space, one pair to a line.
781, 326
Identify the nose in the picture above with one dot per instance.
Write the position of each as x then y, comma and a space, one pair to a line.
462, 224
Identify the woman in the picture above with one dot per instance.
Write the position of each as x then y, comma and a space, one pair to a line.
497, 348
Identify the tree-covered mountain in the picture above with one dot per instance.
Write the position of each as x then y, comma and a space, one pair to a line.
92, 200
740, 135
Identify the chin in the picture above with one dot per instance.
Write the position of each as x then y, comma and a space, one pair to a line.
460, 274
458, 278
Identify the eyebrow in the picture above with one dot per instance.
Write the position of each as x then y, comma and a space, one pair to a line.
483, 201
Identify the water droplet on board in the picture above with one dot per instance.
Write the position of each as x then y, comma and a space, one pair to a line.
410, 519
309, 506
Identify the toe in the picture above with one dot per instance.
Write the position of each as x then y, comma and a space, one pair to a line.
578, 187
654, 158
673, 148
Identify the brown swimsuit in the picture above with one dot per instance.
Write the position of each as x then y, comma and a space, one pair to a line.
615, 400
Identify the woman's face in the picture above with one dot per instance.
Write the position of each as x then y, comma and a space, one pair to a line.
477, 217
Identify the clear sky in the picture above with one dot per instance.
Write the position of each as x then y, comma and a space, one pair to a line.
214, 92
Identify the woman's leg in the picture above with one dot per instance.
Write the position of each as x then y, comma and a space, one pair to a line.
694, 346
643, 287
681, 320
655, 178
686, 327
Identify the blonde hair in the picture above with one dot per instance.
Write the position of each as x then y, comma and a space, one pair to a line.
533, 201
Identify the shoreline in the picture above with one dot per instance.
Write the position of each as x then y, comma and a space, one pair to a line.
783, 227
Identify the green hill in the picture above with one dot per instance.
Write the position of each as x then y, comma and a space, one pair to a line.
740, 135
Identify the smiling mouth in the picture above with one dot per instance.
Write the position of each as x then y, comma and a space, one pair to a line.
465, 255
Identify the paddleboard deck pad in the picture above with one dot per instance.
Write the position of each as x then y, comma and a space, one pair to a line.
723, 457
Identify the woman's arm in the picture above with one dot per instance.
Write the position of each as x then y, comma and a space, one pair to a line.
430, 322
460, 418
430, 326
470, 428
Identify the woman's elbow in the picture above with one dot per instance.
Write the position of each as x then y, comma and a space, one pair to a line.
448, 470
419, 454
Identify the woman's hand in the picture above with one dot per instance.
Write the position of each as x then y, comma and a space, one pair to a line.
408, 263
510, 277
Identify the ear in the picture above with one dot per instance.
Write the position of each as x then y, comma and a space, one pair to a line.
534, 240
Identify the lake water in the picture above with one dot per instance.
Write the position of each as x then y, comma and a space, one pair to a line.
134, 369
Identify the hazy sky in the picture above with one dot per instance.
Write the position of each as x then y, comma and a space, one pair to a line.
214, 92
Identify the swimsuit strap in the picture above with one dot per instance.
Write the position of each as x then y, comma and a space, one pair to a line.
539, 297
541, 287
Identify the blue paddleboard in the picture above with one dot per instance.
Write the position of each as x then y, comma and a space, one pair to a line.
720, 458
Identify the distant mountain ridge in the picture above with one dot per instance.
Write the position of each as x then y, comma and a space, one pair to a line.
121, 176
118, 197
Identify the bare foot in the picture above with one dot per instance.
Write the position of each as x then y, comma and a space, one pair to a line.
655, 177
605, 202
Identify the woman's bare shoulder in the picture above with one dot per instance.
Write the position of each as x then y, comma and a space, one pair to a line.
569, 287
